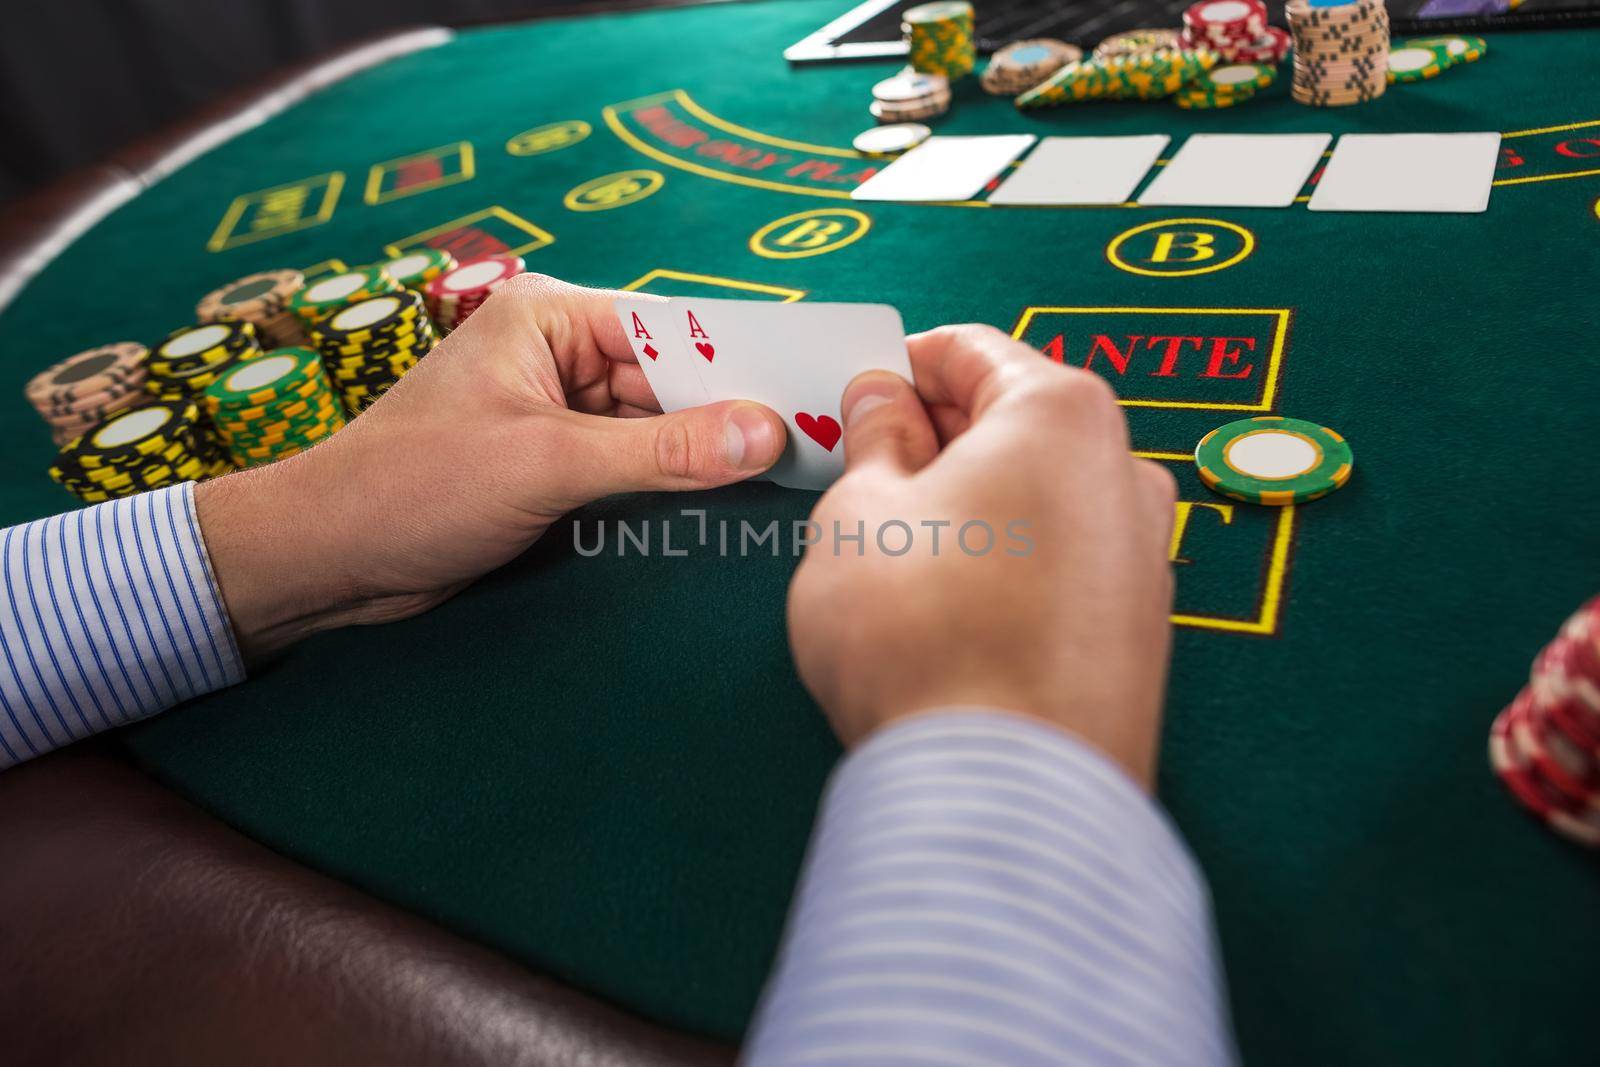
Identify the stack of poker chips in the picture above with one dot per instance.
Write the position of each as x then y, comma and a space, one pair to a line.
315, 302
192, 357
1341, 54
1425, 58
414, 270
1226, 86
910, 97
456, 294
1137, 43
1021, 65
368, 345
1545, 747
273, 406
939, 38
261, 300
1236, 30
150, 447
1149, 76
83, 390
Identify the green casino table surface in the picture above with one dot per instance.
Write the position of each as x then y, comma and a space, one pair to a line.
606, 768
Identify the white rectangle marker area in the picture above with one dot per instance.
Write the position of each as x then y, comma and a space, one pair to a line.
944, 168
1238, 170
1082, 170
1428, 172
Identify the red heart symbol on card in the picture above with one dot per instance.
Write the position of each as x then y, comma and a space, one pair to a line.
652, 353
823, 429
705, 349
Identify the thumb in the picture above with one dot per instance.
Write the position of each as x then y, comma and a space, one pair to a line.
695, 448
886, 424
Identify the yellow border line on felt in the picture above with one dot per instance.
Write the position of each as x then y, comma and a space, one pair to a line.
375, 195
1271, 601
789, 295
1269, 390
397, 248
223, 238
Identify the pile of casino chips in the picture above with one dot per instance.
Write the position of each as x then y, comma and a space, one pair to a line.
369, 344
192, 357
1226, 86
262, 300
1545, 746
1138, 43
939, 38
1341, 54
414, 270
909, 97
1423, 58
1144, 76
455, 294
1273, 460
1236, 30
1021, 65
323, 297
160, 444
83, 390
273, 406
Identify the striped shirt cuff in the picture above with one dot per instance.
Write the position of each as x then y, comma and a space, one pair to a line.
982, 889
110, 614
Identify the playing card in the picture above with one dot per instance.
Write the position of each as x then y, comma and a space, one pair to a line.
1238, 170
1409, 172
1081, 170
945, 168
795, 359
647, 323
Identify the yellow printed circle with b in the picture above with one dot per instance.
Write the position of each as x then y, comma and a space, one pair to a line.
1180, 248
810, 233
613, 190
548, 138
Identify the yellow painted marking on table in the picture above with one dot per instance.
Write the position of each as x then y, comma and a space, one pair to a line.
550, 137
1269, 389
1271, 603
375, 193
1547, 177
1552, 129
1247, 246
810, 233
541, 237
613, 190
223, 237
789, 295
724, 125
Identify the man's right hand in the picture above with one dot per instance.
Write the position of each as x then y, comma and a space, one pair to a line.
1064, 617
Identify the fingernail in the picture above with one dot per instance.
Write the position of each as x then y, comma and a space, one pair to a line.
870, 402
751, 442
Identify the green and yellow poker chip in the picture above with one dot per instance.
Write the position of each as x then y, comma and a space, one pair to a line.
1418, 62
1273, 460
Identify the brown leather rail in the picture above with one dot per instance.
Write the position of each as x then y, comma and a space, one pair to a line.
137, 929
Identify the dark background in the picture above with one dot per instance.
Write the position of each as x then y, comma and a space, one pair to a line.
79, 78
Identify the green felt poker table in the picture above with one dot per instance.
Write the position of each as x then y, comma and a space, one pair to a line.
606, 768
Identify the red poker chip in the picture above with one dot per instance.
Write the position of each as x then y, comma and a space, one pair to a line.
1226, 21
1552, 758
1578, 725
1567, 670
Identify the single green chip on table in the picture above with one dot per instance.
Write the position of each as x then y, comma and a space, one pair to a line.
1273, 460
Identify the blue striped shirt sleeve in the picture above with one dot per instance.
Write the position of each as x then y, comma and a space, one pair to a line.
107, 615
982, 890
